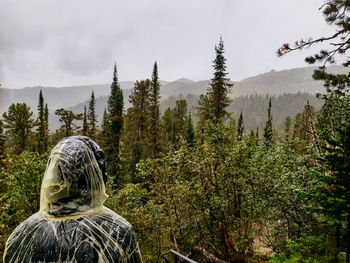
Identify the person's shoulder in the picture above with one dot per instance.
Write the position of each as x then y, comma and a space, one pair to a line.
34, 219
114, 218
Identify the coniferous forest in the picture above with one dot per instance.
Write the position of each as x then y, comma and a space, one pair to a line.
191, 174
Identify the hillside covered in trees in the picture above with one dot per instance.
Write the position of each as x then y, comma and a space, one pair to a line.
273, 83
215, 177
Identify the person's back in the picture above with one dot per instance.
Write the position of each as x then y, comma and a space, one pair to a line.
72, 224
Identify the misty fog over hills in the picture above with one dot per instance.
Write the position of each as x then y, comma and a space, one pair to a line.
73, 98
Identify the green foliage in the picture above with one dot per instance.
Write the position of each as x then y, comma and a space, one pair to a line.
268, 130
20, 183
220, 195
332, 139
240, 127
309, 249
190, 136
42, 126
168, 126
67, 118
138, 119
333, 197
46, 127
18, 123
287, 128
254, 108
174, 124
115, 126
85, 128
103, 134
180, 115
305, 130
212, 106
154, 127
2, 144
92, 117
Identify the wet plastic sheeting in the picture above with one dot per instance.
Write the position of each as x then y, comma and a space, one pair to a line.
72, 224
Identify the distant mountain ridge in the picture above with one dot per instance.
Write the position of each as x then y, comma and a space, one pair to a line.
273, 83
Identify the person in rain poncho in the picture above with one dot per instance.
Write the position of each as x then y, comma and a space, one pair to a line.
72, 224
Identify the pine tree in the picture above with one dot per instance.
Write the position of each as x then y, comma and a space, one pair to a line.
104, 135
304, 129
67, 119
18, 122
115, 112
251, 140
190, 131
137, 122
92, 117
46, 138
155, 114
140, 101
168, 126
233, 127
268, 130
2, 144
41, 124
257, 133
287, 128
308, 122
213, 105
298, 126
240, 127
85, 123
180, 112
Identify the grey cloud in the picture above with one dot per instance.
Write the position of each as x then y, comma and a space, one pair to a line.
48, 42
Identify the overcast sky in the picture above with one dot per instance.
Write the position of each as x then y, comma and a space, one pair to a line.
75, 42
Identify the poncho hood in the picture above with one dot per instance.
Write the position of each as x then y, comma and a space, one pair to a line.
74, 180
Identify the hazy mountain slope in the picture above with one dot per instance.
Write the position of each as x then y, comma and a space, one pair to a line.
273, 82
54, 97
285, 81
254, 107
101, 104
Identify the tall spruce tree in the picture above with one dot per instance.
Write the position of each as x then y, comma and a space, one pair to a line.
85, 123
104, 135
268, 130
168, 125
41, 133
190, 136
2, 144
304, 129
213, 105
46, 140
287, 128
137, 124
140, 105
18, 123
115, 112
240, 127
180, 115
154, 112
92, 117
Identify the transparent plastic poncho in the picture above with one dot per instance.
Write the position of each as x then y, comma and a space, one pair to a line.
72, 224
